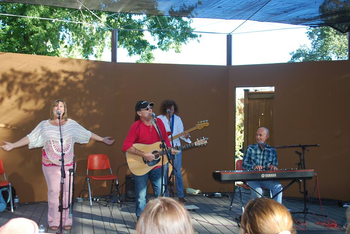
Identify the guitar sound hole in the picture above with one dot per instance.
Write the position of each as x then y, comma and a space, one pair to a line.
156, 154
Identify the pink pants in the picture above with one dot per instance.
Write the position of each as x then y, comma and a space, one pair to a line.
53, 180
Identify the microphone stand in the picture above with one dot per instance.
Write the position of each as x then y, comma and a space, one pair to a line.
170, 182
63, 176
303, 147
164, 149
71, 203
302, 165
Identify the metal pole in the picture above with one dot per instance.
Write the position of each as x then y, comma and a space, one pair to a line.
229, 50
114, 45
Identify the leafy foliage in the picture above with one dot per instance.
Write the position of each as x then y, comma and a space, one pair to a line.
76, 33
239, 127
326, 44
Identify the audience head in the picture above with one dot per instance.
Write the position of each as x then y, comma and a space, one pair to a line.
266, 216
20, 226
347, 213
164, 216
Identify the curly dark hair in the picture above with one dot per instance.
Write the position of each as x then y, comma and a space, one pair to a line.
166, 104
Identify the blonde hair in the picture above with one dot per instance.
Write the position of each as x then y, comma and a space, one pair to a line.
19, 226
266, 216
54, 103
164, 216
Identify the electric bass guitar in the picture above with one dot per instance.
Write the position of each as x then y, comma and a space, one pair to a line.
199, 126
139, 166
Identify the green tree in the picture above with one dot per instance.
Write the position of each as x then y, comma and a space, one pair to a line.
326, 44
76, 33
239, 127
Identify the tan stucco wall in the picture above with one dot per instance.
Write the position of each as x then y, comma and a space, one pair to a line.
310, 107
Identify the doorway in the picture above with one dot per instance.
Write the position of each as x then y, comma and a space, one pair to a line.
254, 109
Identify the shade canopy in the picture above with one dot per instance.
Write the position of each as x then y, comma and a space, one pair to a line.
333, 13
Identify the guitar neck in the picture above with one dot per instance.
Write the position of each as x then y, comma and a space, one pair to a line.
184, 147
181, 147
188, 131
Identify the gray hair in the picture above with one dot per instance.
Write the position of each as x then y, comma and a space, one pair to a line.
266, 130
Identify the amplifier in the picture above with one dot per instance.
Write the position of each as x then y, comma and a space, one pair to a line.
129, 188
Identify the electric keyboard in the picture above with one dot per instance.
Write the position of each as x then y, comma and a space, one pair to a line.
242, 175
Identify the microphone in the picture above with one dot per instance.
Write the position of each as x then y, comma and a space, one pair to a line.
262, 144
154, 117
169, 111
58, 113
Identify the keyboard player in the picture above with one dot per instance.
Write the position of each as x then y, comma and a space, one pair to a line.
261, 156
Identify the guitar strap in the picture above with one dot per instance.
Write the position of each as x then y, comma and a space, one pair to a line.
172, 124
155, 126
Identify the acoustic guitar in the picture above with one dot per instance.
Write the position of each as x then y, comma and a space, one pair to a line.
139, 166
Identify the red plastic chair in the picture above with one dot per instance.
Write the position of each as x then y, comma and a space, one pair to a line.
240, 186
6, 183
100, 162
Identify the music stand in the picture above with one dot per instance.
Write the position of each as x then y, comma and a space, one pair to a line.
302, 165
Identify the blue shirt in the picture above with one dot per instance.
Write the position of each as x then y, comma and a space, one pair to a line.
255, 156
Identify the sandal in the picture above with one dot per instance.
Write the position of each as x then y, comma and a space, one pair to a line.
53, 228
68, 227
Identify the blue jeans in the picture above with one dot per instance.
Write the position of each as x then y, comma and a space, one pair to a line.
155, 177
178, 176
272, 185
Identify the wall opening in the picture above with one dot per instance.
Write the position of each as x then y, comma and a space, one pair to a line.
254, 108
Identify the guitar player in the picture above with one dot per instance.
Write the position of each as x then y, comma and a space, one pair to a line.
173, 125
144, 131
261, 156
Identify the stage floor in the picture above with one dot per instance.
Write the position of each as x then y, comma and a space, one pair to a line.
212, 216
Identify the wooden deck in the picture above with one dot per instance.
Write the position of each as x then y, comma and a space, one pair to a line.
213, 215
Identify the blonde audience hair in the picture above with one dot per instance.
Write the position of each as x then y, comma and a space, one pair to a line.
164, 216
266, 216
19, 226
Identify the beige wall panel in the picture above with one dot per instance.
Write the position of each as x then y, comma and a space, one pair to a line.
311, 106
101, 96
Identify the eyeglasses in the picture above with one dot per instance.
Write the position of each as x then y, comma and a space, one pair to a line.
147, 108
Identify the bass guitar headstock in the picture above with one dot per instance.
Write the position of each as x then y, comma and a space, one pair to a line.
203, 141
201, 124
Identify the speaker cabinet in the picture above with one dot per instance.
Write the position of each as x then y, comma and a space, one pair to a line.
129, 188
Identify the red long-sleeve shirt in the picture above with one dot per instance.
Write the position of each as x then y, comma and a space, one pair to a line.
144, 134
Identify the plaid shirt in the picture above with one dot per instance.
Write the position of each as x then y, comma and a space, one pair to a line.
255, 156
